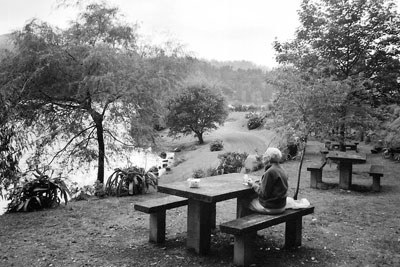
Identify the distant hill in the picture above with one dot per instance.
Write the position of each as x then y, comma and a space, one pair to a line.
5, 41
237, 64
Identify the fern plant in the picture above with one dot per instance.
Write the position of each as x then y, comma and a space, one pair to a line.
130, 181
41, 192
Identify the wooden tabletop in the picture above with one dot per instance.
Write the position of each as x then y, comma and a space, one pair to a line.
211, 190
345, 156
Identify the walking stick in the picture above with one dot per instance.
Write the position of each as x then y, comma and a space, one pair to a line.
300, 166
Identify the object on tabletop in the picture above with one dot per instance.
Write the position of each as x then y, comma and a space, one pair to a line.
193, 182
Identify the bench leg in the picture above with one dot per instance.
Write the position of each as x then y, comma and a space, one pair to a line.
199, 226
376, 183
243, 249
293, 233
157, 227
315, 178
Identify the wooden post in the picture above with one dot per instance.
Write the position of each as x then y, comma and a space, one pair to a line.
157, 227
293, 233
345, 176
376, 183
199, 225
243, 249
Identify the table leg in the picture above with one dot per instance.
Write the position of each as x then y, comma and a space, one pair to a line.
199, 226
242, 208
345, 176
213, 216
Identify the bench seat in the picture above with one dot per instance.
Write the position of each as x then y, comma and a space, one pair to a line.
316, 174
245, 229
376, 171
157, 209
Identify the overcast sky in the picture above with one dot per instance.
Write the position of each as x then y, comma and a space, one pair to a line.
212, 29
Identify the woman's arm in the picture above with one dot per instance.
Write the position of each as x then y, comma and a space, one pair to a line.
266, 186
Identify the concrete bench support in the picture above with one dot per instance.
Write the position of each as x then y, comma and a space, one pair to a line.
376, 171
316, 174
245, 230
157, 210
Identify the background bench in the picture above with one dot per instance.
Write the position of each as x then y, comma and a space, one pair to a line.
245, 230
316, 174
376, 171
157, 209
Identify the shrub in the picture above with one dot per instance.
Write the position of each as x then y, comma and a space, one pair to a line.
81, 193
254, 122
231, 162
40, 192
130, 181
99, 189
199, 173
216, 145
259, 164
212, 172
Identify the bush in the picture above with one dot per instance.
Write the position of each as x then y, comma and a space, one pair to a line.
130, 181
254, 122
81, 193
216, 145
231, 162
259, 165
199, 173
39, 193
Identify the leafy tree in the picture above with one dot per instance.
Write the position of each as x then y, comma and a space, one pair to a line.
86, 86
307, 103
348, 40
195, 110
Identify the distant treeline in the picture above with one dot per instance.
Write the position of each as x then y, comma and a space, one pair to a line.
238, 85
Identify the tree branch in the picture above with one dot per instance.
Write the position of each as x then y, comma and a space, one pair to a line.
69, 142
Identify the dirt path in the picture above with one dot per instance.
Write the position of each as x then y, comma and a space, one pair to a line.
235, 136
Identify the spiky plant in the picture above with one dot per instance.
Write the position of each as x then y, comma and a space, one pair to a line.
130, 181
41, 192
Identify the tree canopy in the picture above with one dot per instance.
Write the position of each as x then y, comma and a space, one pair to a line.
88, 86
349, 38
195, 110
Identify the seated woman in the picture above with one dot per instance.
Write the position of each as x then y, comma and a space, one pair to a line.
273, 187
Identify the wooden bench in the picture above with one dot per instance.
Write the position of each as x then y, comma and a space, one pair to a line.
245, 230
316, 174
376, 171
157, 209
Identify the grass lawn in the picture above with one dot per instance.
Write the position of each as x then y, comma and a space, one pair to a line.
348, 228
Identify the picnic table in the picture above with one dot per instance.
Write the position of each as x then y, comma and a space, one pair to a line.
346, 161
349, 146
202, 201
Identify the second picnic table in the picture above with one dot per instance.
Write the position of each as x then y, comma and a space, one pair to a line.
202, 201
346, 161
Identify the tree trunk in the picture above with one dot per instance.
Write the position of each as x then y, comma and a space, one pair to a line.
300, 167
98, 120
200, 137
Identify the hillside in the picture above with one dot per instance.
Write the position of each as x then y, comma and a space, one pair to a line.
235, 137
